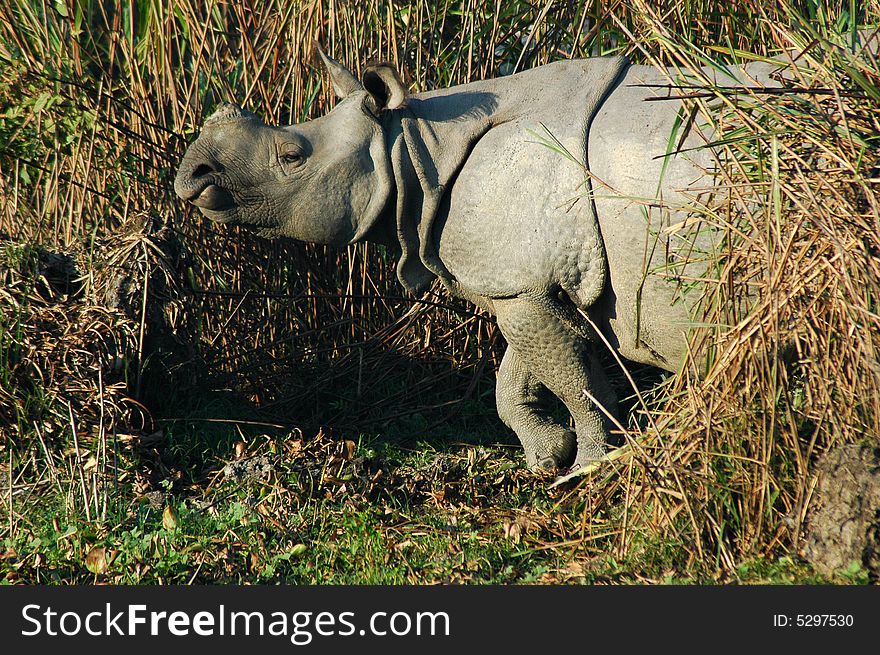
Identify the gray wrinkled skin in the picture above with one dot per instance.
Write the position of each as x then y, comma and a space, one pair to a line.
484, 186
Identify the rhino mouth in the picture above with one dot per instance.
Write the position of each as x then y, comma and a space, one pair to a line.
214, 202
212, 197
224, 217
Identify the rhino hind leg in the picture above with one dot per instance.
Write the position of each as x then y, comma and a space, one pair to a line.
542, 347
521, 401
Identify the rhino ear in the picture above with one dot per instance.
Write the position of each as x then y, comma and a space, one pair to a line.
383, 84
341, 78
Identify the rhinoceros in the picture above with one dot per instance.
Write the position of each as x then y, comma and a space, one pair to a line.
557, 199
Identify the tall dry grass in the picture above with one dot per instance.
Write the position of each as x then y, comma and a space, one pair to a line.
99, 102
727, 464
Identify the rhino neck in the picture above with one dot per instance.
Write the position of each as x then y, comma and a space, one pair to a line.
370, 224
429, 142
380, 229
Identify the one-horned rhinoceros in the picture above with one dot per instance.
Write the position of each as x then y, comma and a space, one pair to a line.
544, 197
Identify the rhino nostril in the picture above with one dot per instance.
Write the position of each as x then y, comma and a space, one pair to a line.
203, 170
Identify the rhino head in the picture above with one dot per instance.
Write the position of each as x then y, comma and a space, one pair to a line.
324, 181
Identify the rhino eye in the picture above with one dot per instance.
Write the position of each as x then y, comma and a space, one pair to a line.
291, 158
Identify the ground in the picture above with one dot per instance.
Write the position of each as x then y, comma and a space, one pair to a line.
844, 527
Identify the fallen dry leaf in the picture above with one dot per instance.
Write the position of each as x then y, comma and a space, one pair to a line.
240, 450
169, 518
96, 560
349, 448
512, 531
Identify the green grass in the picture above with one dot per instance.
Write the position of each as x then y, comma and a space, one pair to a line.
335, 541
331, 512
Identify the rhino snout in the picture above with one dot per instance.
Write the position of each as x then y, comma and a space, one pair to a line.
197, 183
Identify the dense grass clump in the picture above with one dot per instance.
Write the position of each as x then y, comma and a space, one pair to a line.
181, 402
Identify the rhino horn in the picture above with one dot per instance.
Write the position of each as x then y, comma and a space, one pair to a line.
227, 112
341, 78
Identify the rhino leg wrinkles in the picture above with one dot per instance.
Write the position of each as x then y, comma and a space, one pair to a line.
522, 404
543, 351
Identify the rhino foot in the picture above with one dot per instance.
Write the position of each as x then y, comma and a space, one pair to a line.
521, 402
545, 356
587, 458
591, 440
557, 460
547, 464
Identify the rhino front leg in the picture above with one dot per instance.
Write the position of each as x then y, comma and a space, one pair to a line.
560, 359
521, 401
